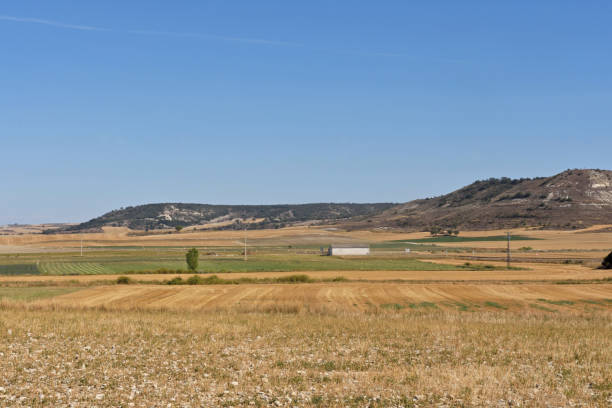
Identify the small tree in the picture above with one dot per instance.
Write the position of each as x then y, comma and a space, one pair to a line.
178, 228
434, 230
192, 259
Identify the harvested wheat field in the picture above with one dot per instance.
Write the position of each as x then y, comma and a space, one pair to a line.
342, 296
79, 357
391, 331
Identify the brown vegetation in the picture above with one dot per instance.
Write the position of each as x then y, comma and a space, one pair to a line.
423, 358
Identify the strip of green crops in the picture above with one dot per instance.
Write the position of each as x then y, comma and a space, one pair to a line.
73, 268
293, 263
19, 269
297, 265
33, 293
469, 239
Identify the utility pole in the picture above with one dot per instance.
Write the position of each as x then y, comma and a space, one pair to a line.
245, 243
508, 252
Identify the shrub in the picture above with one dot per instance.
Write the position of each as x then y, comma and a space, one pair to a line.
176, 281
294, 279
124, 280
194, 280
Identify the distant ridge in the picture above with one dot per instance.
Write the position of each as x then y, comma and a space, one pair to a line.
569, 200
171, 215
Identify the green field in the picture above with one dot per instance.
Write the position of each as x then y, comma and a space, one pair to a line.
19, 269
104, 261
254, 264
491, 238
33, 293
413, 246
72, 268
171, 261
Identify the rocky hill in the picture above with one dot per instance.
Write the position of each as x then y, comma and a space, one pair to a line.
572, 199
171, 215
569, 200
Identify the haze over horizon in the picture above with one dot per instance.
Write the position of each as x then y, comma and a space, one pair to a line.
112, 104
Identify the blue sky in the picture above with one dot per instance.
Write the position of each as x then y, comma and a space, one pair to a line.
115, 103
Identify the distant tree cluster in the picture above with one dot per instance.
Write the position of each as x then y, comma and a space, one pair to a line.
435, 230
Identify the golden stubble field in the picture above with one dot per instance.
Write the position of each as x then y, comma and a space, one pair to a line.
334, 297
81, 357
539, 336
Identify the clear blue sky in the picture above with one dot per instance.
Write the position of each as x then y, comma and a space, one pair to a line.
115, 103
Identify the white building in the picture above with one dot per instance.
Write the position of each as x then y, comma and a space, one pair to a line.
350, 249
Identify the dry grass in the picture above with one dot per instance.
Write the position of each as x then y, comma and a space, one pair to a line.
95, 358
341, 297
472, 338
587, 239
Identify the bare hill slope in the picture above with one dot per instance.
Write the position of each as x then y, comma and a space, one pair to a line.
571, 199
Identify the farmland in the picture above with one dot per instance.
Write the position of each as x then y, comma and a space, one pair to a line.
422, 358
444, 324
342, 296
141, 264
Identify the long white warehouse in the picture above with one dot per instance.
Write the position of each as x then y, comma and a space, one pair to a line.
350, 249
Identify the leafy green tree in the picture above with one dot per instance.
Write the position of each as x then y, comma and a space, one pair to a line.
192, 259
178, 228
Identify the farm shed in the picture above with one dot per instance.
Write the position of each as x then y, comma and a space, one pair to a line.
350, 249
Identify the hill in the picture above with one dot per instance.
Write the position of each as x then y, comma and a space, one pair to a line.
569, 200
170, 215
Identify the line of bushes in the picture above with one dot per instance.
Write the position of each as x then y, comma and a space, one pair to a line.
215, 280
